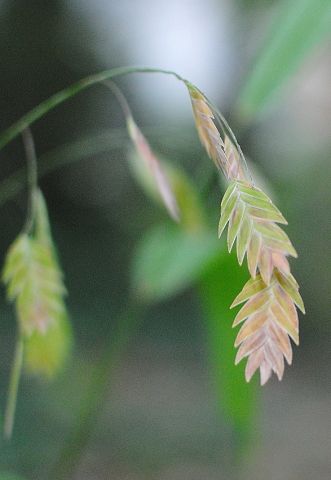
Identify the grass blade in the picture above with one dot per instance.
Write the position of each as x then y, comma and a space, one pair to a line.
300, 25
237, 399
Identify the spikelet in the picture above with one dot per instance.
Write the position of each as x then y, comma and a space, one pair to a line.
153, 166
33, 277
270, 318
252, 221
34, 283
269, 314
223, 153
46, 353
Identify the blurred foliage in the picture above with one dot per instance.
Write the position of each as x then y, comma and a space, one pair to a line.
169, 260
172, 258
238, 399
298, 27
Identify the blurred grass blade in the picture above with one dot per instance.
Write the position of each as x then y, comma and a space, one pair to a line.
300, 25
63, 95
237, 398
169, 260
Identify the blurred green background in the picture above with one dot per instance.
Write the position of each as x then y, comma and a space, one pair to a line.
150, 391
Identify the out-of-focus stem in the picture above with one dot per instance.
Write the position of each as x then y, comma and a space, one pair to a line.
60, 97
13, 388
77, 150
92, 403
32, 177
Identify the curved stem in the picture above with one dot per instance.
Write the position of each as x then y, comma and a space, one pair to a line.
119, 96
60, 97
13, 388
32, 177
104, 142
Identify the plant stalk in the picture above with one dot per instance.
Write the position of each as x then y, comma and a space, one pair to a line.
94, 398
69, 92
32, 178
104, 142
13, 387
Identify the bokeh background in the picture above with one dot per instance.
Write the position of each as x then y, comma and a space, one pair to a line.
150, 391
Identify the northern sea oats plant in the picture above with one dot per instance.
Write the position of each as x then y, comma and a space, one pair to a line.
35, 283
269, 314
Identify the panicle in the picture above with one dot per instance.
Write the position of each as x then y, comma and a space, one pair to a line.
221, 151
269, 315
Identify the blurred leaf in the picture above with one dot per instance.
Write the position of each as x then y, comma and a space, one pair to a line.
219, 286
193, 216
300, 25
168, 260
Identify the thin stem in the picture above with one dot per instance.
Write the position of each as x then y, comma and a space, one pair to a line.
119, 96
32, 177
110, 139
93, 400
60, 97
13, 387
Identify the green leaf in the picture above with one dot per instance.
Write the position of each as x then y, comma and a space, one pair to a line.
237, 399
168, 260
298, 27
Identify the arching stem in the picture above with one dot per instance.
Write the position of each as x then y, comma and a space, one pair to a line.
13, 387
60, 97
32, 177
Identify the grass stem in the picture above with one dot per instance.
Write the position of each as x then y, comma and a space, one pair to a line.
94, 398
13, 388
44, 107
